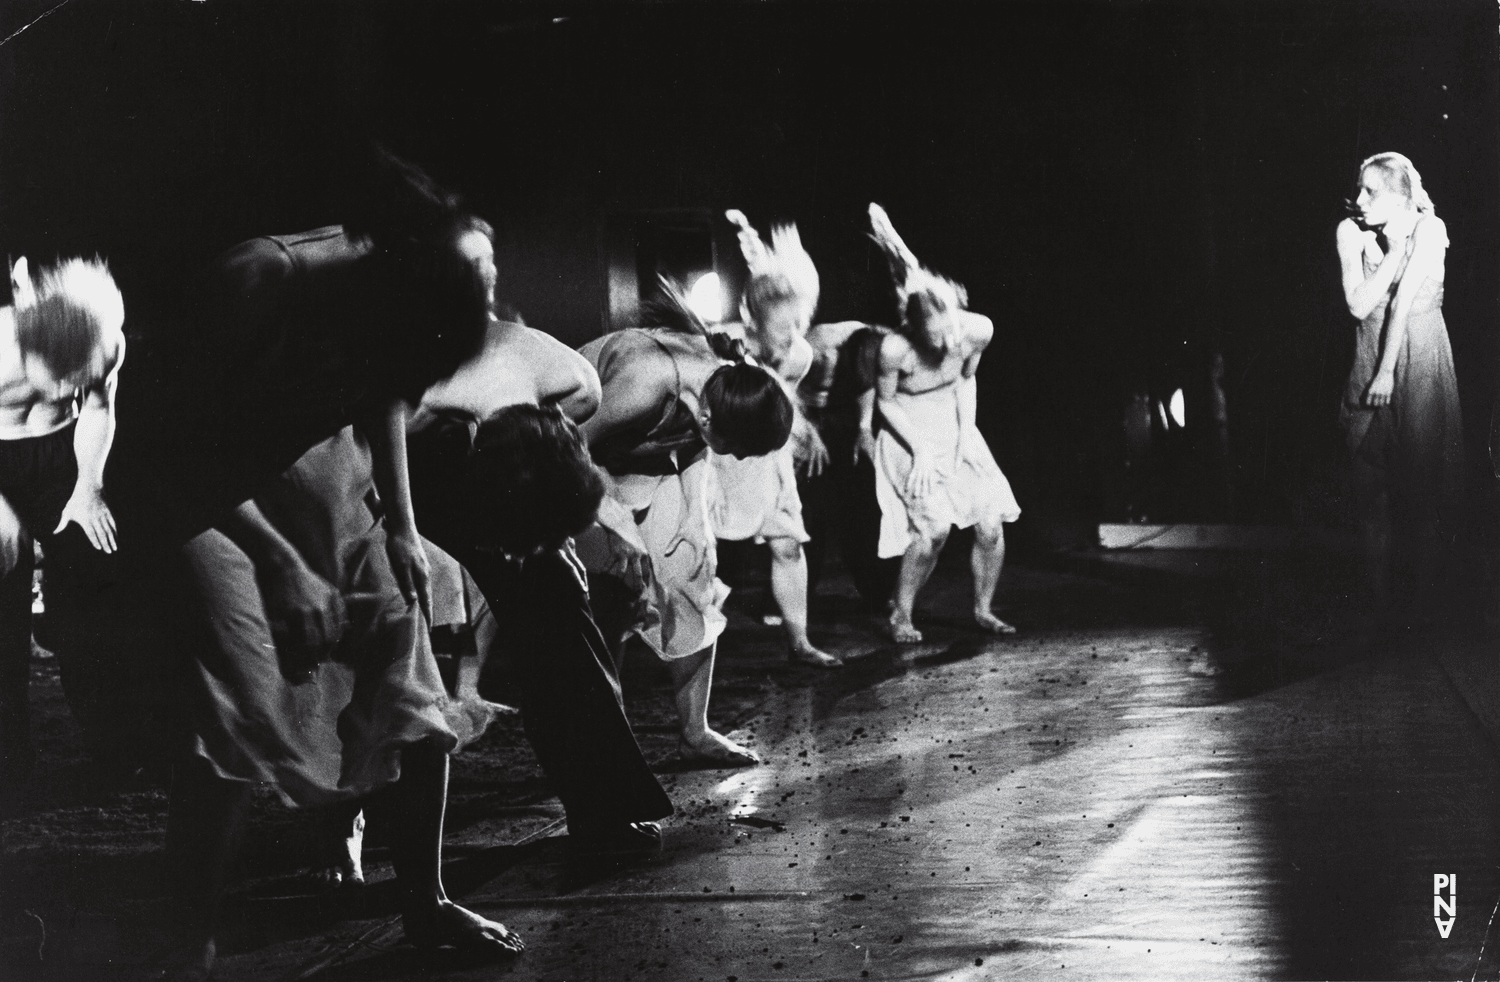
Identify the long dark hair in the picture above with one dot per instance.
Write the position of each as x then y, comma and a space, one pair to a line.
434, 306
670, 310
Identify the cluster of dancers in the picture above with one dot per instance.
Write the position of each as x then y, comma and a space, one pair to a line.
340, 389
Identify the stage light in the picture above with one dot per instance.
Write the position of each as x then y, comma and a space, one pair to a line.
1178, 406
706, 298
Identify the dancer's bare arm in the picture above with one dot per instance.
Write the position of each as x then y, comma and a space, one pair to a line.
896, 361
1429, 245
979, 330
810, 453
305, 612
93, 435
1362, 293
385, 429
864, 442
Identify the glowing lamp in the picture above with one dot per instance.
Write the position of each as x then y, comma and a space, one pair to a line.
706, 298
1178, 408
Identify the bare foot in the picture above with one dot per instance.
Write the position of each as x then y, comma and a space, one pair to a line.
812, 656
903, 631
716, 748
326, 879
991, 623
451, 926
345, 866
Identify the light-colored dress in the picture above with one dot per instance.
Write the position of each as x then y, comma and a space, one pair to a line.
968, 489
1412, 447
659, 486
332, 729
756, 497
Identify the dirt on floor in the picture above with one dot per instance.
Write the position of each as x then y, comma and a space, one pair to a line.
81, 868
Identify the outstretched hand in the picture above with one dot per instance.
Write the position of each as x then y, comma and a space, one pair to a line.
88, 509
409, 564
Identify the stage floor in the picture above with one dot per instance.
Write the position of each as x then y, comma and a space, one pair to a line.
1141, 784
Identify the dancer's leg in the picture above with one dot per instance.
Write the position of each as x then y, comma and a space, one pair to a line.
692, 677
986, 560
340, 832
916, 566
205, 825
571, 703
414, 807
789, 586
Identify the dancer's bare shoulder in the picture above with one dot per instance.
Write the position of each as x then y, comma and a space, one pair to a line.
799, 360
560, 375
978, 332
1431, 233
896, 354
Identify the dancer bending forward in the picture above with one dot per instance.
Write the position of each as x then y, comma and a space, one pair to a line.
758, 496
667, 400
309, 596
933, 469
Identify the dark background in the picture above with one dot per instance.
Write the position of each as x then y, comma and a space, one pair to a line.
1124, 188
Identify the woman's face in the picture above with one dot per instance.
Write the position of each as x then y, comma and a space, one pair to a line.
938, 327
1377, 202
772, 334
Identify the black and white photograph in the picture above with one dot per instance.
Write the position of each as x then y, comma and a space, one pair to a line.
798, 490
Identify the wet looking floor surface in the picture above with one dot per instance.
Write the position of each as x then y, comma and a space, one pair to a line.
1126, 789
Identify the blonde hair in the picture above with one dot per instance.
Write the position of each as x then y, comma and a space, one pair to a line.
918, 289
1401, 175
71, 313
781, 271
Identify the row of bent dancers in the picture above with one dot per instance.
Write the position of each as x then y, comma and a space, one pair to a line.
254, 585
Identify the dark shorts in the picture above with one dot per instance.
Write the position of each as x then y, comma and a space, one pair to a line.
37, 476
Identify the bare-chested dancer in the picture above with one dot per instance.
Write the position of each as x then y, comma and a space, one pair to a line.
61, 346
933, 468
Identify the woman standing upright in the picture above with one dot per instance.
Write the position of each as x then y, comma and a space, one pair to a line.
1400, 410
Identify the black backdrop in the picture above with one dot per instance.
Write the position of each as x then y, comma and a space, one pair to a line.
1123, 187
